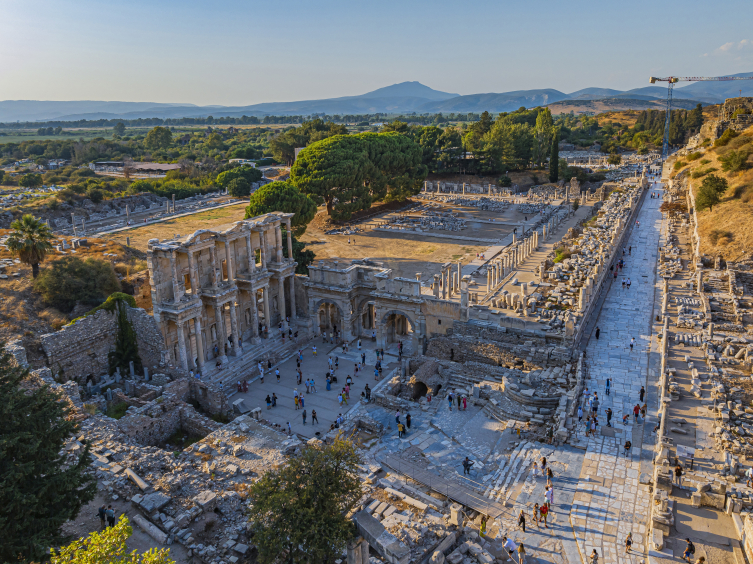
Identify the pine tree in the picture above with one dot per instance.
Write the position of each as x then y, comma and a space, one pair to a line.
39, 492
554, 159
126, 346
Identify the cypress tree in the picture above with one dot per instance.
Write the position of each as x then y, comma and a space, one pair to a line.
39, 490
554, 159
126, 346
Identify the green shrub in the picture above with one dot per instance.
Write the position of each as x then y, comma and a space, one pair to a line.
726, 137
705, 161
701, 173
239, 187
109, 304
118, 410
679, 165
505, 181
70, 280
693, 156
734, 161
720, 236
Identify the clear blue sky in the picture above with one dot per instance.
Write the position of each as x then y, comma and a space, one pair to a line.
243, 52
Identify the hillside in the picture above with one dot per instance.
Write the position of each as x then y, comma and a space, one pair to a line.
727, 229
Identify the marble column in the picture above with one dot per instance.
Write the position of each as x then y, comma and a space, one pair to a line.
174, 270
229, 262
213, 264
199, 342
193, 274
182, 346
234, 328
293, 312
220, 330
281, 301
489, 280
250, 254
278, 243
262, 250
265, 302
289, 229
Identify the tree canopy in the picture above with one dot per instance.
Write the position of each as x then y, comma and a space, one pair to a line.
300, 510
239, 187
159, 138
31, 180
70, 280
108, 547
30, 241
283, 145
347, 173
249, 173
39, 489
283, 197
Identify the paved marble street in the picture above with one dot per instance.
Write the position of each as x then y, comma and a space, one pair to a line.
609, 500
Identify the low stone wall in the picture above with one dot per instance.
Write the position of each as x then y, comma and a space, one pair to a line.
80, 350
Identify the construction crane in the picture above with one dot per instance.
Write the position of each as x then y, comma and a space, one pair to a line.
672, 80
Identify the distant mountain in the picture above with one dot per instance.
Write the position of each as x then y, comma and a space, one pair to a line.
593, 93
404, 97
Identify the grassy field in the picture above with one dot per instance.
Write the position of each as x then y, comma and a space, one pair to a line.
183, 225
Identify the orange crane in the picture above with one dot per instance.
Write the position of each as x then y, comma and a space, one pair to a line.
672, 80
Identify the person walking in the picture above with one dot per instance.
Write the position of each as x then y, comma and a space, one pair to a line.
632, 342
549, 495
609, 417
642, 393
407, 420
467, 463
295, 399
300, 400
628, 283
110, 513
595, 405
269, 402
678, 475
304, 416
312, 384
313, 417
522, 520
636, 411
630, 250
689, 550
400, 430
628, 542
449, 400
521, 549
598, 332
535, 470
465, 405
544, 512
274, 399
277, 373
549, 476
580, 413
459, 401
536, 514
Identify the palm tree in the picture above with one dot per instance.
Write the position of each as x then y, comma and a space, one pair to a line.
30, 240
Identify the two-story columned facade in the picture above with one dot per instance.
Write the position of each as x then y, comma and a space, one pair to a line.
217, 288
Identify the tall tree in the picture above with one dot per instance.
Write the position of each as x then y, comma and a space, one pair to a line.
119, 128
30, 241
333, 172
283, 197
108, 547
250, 173
554, 157
31, 180
542, 135
299, 511
126, 344
39, 489
158, 138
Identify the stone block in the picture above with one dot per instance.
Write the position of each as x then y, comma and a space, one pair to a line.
437, 557
154, 502
385, 543
138, 481
150, 529
207, 500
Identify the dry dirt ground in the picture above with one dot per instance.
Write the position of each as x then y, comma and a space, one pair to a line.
727, 229
409, 252
181, 225
24, 316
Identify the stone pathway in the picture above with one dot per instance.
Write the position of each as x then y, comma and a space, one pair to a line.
609, 500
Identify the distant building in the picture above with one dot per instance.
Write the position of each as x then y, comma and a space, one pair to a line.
245, 162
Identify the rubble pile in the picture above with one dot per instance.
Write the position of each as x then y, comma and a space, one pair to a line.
430, 220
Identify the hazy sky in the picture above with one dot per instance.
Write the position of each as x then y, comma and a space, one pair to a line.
243, 52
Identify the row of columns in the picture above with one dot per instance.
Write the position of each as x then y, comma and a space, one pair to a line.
498, 269
428, 187
447, 282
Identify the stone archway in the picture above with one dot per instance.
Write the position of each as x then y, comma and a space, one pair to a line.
367, 321
328, 316
397, 326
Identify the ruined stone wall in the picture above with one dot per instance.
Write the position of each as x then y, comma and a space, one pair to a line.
209, 397
153, 423
80, 350
440, 316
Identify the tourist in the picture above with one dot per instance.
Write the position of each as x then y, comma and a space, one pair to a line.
110, 513
549, 476
368, 392
636, 411
678, 475
630, 250
594, 559
397, 416
543, 463
459, 401
623, 283
449, 400
290, 429
313, 417
628, 542
329, 383
102, 511
580, 413
482, 528
535, 470
549, 495
609, 385
245, 385
598, 332
521, 548
407, 420
277, 373
544, 512
467, 463
307, 386
595, 404
312, 385
304, 416
628, 446
642, 393
609, 417
522, 520
340, 399
363, 358
536, 514
400, 430
625, 418
689, 550
464, 404
347, 391
359, 344
313, 349
274, 399
510, 546
628, 283
269, 402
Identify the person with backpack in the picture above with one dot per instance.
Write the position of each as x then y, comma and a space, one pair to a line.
678, 475
103, 516
689, 551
